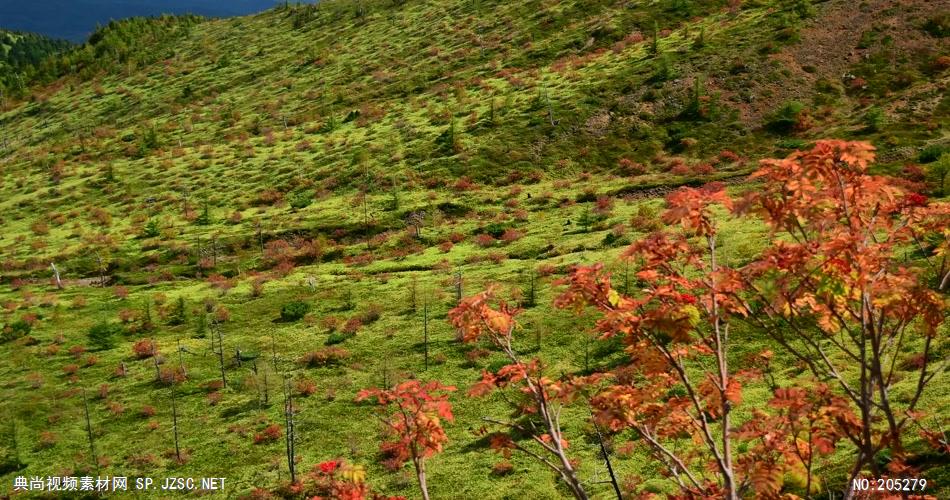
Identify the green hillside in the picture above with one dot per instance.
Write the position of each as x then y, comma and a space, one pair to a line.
376, 160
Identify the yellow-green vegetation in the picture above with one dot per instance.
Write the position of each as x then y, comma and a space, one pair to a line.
300, 194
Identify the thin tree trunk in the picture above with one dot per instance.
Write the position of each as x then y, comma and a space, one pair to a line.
92, 444
175, 423
425, 330
721, 340
289, 420
266, 393
224, 380
260, 236
420, 466
158, 371
603, 451
102, 277
59, 282
181, 364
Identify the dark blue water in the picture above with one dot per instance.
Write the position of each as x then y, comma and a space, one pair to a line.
76, 19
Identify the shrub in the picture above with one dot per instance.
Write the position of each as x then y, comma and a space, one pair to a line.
270, 434
34, 380
913, 173
294, 311
214, 398
938, 26
15, 330
337, 338
178, 314
630, 167
116, 408
703, 169
371, 314
646, 220
48, 440
145, 348
79, 302
512, 235
330, 323
305, 387
604, 206
931, 153
169, 375
587, 196
222, 314
151, 229
494, 229
301, 200
464, 184
938, 172
484, 240
786, 118
40, 228
102, 336
727, 156
128, 315
874, 119
257, 286
502, 468
278, 251
326, 356
352, 326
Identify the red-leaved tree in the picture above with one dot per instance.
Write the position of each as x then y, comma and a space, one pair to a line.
834, 287
413, 412
476, 318
677, 383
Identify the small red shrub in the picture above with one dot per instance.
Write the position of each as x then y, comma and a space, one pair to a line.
484, 240
145, 348
271, 433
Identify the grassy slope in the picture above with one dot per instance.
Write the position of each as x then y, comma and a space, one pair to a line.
217, 104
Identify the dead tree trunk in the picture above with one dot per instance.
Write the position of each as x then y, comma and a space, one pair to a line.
216, 328
181, 364
92, 442
175, 423
59, 282
260, 236
102, 277
425, 330
266, 389
289, 421
158, 371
